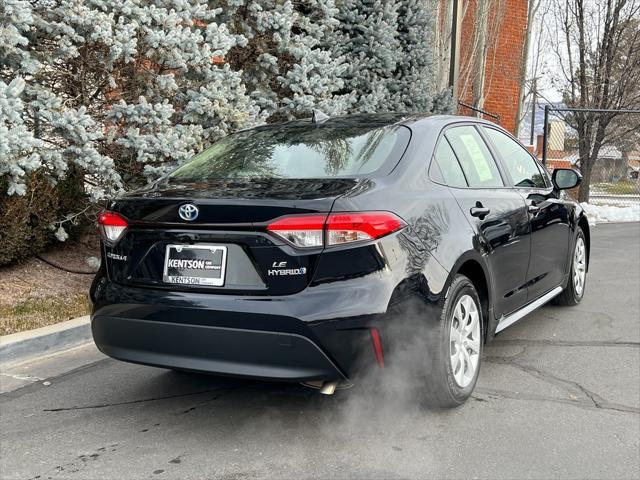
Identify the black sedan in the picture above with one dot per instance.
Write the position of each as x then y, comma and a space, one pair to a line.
311, 250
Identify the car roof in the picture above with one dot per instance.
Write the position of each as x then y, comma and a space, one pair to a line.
415, 121
366, 121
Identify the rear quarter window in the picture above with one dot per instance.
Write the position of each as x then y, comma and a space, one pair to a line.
445, 167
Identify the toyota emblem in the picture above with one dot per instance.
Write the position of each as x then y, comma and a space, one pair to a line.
188, 212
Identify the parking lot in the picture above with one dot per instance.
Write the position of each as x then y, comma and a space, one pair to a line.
558, 397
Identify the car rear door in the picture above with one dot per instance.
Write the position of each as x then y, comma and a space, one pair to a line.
549, 216
497, 213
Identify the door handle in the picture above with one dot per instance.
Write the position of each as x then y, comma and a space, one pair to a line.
480, 211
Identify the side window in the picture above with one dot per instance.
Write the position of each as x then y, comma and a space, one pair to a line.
523, 169
478, 165
445, 165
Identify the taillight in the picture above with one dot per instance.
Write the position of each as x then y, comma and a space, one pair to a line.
355, 227
300, 230
112, 226
308, 231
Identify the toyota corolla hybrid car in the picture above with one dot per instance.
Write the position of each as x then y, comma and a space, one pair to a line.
307, 250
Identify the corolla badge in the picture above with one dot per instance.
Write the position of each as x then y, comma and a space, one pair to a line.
188, 212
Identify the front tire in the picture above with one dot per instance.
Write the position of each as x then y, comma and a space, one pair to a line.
572, 295
455, 347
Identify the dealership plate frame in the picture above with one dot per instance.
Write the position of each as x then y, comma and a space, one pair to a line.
213, 248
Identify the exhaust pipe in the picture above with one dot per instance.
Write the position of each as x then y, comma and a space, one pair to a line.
328, 388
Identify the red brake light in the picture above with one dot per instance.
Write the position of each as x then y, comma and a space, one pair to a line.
298, 222
336, 228
112, 219
112, 226
352, 227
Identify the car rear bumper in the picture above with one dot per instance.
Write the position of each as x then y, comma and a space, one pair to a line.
225, 351
321, 333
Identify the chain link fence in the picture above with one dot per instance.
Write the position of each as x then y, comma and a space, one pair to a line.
604, 145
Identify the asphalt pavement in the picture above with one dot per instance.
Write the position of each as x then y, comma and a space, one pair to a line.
558, 397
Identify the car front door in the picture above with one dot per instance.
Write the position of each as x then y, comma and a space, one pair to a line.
497, 213
549, 216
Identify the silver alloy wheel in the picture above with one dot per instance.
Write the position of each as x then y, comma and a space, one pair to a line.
464, 341
579, 267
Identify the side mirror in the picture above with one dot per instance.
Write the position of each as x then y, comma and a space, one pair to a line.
566, 178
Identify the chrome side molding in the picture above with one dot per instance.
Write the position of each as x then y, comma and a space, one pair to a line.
527, 309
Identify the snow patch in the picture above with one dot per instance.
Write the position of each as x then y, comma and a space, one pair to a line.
611, 213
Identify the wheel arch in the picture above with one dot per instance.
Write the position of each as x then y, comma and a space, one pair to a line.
583, 223
475, 270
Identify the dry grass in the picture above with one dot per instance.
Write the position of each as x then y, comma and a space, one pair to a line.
40, 312
623, 187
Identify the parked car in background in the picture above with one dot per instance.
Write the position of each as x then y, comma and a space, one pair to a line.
306, 250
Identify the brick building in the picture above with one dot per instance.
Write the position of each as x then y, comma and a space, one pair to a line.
500, 34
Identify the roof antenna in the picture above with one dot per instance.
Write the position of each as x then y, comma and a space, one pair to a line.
319, 117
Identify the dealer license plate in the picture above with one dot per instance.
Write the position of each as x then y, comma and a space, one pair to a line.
195, 265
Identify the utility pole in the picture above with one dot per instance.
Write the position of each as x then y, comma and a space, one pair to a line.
454, 55
545, 131
534, 106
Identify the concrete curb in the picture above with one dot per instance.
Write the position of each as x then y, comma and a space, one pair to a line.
22, 346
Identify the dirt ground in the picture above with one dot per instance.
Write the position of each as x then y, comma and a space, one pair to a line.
34, 293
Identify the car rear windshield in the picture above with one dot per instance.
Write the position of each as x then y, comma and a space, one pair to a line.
299, 152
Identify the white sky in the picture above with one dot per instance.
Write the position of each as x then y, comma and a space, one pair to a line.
543, 62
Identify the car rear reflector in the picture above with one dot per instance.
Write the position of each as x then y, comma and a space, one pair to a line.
377, 346
309, 231
112, 226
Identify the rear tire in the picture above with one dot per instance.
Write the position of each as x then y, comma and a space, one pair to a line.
574, 292
455, 347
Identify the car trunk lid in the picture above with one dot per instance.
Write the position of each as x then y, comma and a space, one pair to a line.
232, 214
